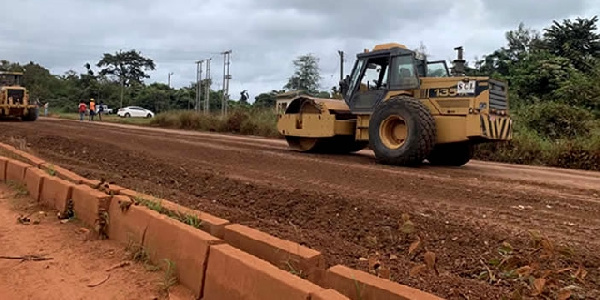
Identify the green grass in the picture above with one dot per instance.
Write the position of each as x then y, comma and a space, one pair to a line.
528, 147
170, 277
185, 218
258, 122
105, 118
19, 188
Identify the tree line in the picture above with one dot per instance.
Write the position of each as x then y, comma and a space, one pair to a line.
119, 82
554, 94
553, 75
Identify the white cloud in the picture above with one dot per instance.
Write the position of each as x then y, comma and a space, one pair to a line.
265, 36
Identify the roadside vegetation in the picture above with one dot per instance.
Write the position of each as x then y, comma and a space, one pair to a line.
553, 76
247, 121
105, 118
554, 80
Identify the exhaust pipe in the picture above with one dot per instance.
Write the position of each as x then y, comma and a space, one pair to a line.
459, 63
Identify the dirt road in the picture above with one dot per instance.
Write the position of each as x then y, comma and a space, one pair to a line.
350, 208
76, 267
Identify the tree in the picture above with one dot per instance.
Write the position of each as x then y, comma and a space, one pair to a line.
266, 99
538, 75
129, 67
520, 43
323, 94
38, 81
421, 52
577, 41
156, 96
307, 75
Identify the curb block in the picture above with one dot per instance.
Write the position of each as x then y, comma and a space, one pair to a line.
15, 170
130, 193
34, 181
36, 162
89, 203
209, 223
32, 159
128, 226
63, 173
56, 193
233, 274
284, 254
328, 295
345, 280
91, 183
3, 165
186, 246
114, 189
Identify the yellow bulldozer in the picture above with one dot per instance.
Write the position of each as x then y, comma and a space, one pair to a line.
403, 107
14, 98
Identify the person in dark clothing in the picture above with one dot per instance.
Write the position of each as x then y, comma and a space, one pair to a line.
100, 110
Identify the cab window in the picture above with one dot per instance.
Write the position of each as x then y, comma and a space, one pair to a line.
437, 69
375, 77
404, 76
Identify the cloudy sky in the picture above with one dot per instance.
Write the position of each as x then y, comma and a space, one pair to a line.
265, 35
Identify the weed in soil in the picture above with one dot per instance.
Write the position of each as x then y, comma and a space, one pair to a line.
20, 189
169, 278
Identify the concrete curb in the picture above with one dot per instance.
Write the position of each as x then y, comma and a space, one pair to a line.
361, 285
286, 255
220, 261
15, 171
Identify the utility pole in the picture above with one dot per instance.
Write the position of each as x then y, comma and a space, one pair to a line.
198, 83
341, 53
121, 78
226, 77
169, 82
207, 88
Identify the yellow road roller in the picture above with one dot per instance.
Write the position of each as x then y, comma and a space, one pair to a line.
403, 107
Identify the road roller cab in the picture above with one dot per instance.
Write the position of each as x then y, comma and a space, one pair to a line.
406, 108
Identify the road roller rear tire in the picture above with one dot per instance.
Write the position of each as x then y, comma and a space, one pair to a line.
454, 154
402, 131
333, 145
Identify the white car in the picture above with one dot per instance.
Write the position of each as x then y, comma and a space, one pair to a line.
107, 111
134, 112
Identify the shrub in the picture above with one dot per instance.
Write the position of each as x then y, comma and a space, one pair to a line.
528, 147
556, 120
247, 121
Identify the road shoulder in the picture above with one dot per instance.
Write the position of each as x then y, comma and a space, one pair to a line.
77, 264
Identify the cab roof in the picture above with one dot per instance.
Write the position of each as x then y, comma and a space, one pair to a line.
386, 49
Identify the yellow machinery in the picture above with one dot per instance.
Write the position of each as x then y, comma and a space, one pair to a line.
14, 99
405, 108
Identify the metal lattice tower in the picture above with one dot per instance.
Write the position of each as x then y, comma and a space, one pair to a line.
207, 88
198, 83
226, 77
